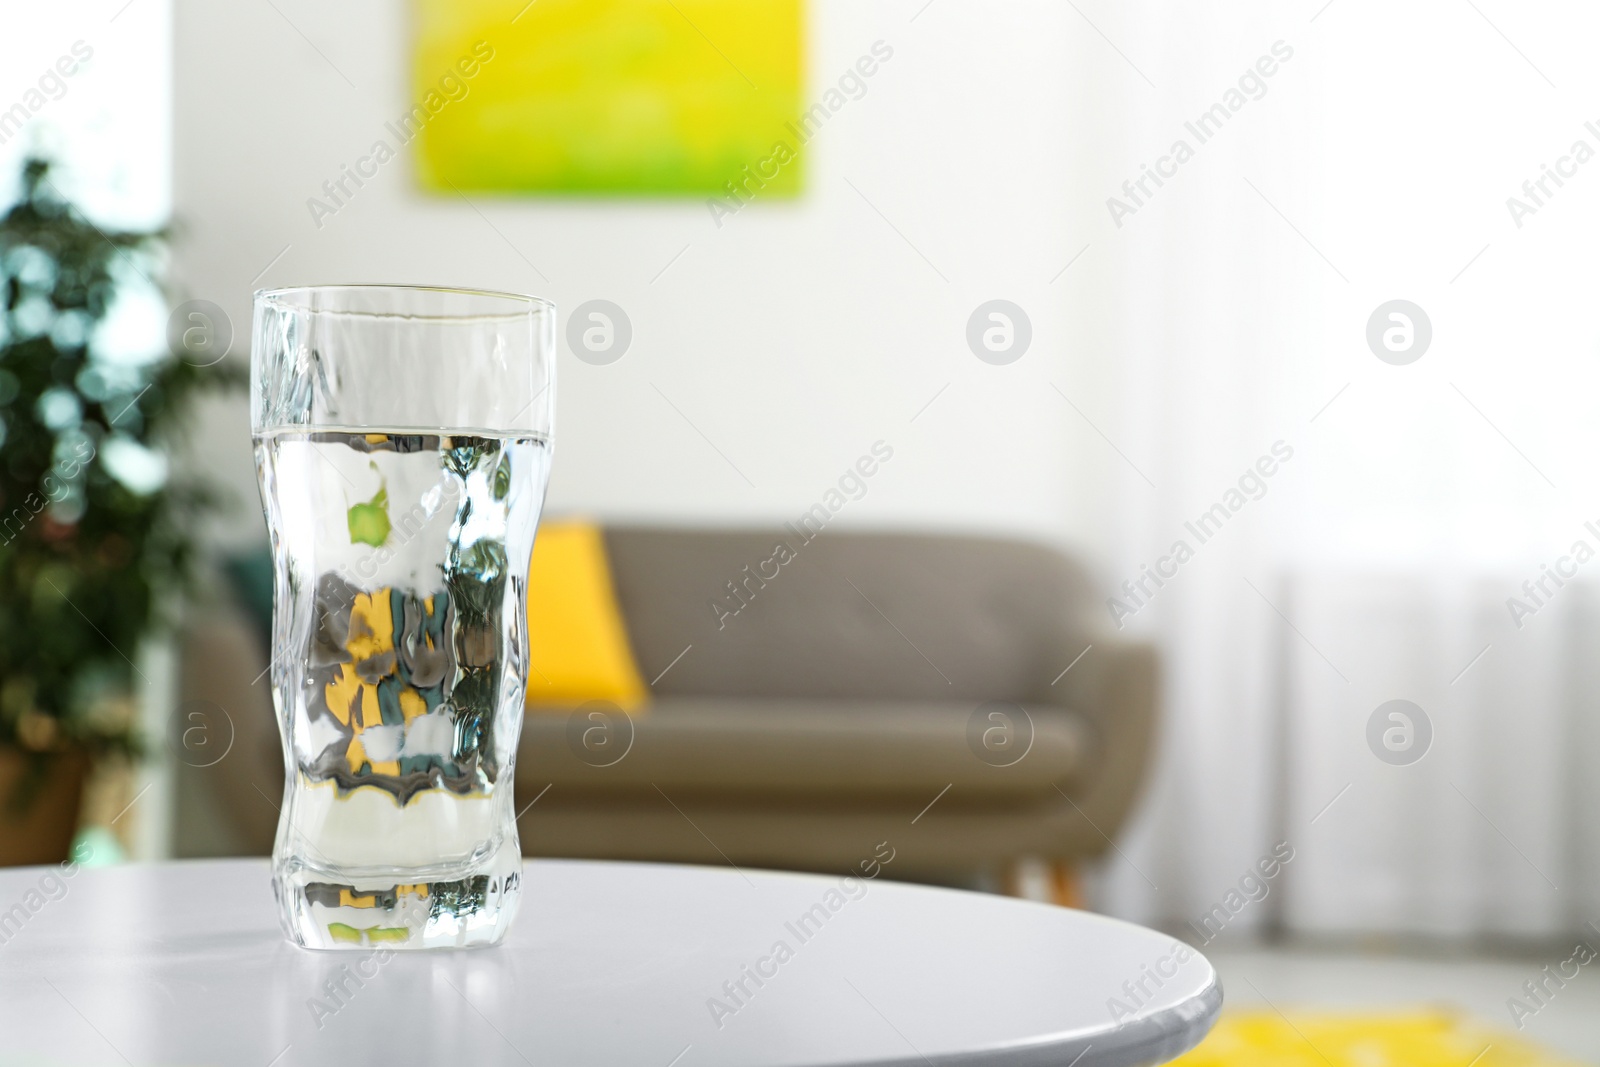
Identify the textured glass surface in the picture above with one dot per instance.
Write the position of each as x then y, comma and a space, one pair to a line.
402, 440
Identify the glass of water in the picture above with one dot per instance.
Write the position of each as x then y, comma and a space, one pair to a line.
402, 440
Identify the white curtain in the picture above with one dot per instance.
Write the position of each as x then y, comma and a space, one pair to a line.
1361, 154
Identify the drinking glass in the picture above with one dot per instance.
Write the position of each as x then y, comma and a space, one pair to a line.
402, 441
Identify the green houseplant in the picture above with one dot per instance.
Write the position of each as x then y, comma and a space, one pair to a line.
95, 537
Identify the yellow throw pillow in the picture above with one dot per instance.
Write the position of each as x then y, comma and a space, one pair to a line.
578, 646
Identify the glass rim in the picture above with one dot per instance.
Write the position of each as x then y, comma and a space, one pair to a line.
282, 297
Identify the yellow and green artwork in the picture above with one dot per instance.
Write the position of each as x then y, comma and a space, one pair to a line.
603, 96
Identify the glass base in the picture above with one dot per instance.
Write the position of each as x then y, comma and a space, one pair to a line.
464, 906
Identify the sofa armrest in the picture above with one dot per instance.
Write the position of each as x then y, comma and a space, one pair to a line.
1116, 687
230, 808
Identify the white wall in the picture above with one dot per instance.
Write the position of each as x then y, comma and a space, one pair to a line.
793, 336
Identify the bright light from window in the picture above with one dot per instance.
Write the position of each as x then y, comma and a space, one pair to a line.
89, 86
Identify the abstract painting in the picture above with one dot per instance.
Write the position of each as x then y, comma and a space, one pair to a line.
603, 96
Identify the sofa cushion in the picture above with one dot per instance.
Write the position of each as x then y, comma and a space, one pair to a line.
795, 613
840, 748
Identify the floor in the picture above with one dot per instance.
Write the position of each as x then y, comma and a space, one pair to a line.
1477, 985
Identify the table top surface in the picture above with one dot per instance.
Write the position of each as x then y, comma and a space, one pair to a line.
612, 964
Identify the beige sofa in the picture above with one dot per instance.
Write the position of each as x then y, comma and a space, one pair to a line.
868, 688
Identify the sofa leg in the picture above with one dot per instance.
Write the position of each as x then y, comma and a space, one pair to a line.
1068, 886
1047, 881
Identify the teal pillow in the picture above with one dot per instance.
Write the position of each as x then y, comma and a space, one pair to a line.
250, 575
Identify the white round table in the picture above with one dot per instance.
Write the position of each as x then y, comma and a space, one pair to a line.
609, 964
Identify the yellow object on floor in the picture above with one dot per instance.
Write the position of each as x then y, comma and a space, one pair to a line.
1262, 1037
578, 644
